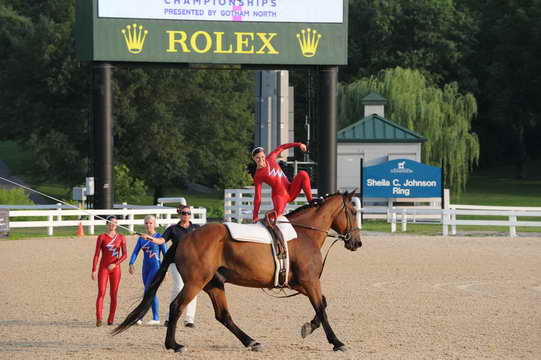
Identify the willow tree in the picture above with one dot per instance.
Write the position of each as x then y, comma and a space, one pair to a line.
442, 115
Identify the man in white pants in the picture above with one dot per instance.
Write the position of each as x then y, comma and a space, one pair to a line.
178, 284
175, 233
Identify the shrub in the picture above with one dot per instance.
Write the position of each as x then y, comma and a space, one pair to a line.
14, 196
128, 188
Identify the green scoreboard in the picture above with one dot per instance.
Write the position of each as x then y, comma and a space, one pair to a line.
286, 32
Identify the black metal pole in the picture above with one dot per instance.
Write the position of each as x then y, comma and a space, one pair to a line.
361, 190
443, 185
326, 139
103, 135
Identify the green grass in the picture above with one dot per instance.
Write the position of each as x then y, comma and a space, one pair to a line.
500, 191
436, 229
65, 231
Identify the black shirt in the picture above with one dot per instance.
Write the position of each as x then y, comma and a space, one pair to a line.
176, 232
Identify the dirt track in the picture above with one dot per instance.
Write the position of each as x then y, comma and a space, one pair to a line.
396, 298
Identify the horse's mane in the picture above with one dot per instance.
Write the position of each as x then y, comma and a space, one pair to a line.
317, 202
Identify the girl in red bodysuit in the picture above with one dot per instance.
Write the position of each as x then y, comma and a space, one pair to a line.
113, 248
269, 172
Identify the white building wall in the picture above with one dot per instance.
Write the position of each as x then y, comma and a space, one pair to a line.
374, 109
350, 155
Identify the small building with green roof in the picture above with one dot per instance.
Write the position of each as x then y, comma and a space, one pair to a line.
375, 140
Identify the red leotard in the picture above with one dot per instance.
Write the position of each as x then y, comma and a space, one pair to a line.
113, 252
282, 192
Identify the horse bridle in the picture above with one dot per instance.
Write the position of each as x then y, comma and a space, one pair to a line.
349, 227
347, 236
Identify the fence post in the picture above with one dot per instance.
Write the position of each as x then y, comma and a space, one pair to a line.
91, 226
239, 207
404, 220
393, 220
453, 222
59, 208
389, 206
131, 217
204, 215
445, 221
51, 225
124, 210
512, 225
227, 203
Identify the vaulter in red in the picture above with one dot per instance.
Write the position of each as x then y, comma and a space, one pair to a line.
113, 251
269, 172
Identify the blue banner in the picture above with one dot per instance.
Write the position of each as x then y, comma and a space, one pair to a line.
401, 178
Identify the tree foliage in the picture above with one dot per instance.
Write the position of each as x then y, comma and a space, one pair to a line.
182, 126
43, 87
442, 115
128, 188
171, 125
508, 66
432, 36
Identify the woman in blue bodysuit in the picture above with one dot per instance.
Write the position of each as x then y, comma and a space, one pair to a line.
151, 263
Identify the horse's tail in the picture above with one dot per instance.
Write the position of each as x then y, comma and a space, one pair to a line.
150, 292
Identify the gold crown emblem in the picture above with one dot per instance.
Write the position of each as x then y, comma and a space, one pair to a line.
308, 41
135, 38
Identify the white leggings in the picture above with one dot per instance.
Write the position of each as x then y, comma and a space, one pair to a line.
178, 284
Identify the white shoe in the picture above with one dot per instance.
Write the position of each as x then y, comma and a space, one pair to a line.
153, 322
139, 322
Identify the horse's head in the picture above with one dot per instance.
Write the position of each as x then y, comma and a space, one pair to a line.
345, 222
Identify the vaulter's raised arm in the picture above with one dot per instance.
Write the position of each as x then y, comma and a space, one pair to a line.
274, 153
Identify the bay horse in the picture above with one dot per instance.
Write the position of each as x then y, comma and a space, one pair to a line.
209, 257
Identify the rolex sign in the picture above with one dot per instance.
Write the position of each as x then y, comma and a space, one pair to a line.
300, 32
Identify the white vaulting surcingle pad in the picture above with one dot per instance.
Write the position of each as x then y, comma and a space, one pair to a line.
258, 232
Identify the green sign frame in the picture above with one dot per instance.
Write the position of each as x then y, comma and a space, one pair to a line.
208, 42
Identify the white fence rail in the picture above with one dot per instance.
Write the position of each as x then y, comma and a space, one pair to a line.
377, 208
449, 217
238, 204
126, 217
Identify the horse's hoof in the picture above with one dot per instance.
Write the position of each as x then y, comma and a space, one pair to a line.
176, 348
342, 348
306, 329
255, 346
180, 349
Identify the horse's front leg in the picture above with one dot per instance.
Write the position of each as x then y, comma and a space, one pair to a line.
313, 291
309, 327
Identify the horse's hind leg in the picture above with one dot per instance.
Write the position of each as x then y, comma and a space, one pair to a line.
313, 291
215, 290
176, 308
